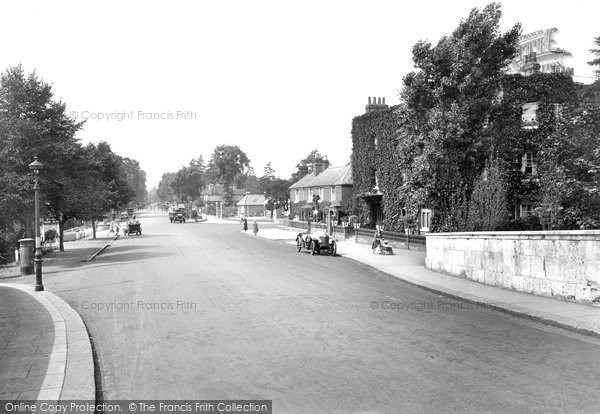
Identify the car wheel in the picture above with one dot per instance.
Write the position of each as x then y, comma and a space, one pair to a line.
299, 243
313, 247
333, 248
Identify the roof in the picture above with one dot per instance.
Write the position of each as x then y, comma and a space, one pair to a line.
252, 200
329, 177
219, 189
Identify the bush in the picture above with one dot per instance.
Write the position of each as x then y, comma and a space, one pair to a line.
50, 234
529, 223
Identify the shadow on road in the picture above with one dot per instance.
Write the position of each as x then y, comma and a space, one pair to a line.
120, 257
57, 262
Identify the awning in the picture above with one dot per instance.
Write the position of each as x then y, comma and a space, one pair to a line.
372, 197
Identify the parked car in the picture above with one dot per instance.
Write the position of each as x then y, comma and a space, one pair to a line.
316, 243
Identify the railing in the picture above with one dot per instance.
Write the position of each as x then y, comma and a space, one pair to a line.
362, 235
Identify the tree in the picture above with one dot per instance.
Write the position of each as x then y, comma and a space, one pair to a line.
304, 166
570, 171
188, 182
277, 194
165, 190
488, 204
97, 194
112, 172
267, 177
33, 123
449, 100
596, 61
247, 180
226, 162
76, 182
136, 180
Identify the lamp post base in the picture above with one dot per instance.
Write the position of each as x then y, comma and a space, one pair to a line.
37, 262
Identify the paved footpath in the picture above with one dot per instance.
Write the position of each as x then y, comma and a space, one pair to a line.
409, 265
45, 350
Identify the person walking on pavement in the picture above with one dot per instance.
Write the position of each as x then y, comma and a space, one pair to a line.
111, 228
255, 227
245, 225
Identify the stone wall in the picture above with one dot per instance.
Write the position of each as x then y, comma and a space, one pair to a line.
563, 264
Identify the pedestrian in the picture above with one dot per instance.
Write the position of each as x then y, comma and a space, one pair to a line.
255, 227
111, 228
245, 225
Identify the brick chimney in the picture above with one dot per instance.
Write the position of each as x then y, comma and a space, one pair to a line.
376, 104
318, 165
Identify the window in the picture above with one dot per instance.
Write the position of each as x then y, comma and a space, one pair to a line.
526, 210
527, 164
321, 193
310, 195
296, 196
333, 194
558, 112
529, 116
425, 219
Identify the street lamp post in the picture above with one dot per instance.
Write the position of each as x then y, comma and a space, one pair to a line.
36, 166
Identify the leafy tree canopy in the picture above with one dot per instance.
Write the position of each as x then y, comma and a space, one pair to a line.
226, 162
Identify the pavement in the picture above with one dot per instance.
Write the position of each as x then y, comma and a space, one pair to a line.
409, 266
45, 350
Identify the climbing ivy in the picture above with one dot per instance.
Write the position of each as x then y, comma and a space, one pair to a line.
405, 172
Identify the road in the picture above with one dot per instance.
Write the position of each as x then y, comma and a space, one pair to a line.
201, 311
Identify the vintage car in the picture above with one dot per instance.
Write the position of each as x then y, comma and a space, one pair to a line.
133, 228
316, 242
179, 216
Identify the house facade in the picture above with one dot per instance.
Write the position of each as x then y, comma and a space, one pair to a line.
322, 193
216, 193
252, 205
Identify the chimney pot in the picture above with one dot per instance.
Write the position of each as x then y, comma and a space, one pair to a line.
384, 100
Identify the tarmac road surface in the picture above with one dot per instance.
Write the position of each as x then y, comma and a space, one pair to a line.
201, 311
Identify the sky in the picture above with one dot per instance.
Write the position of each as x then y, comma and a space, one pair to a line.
166, 82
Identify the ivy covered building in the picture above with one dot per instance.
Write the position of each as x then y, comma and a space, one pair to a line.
516, 132
492, 134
